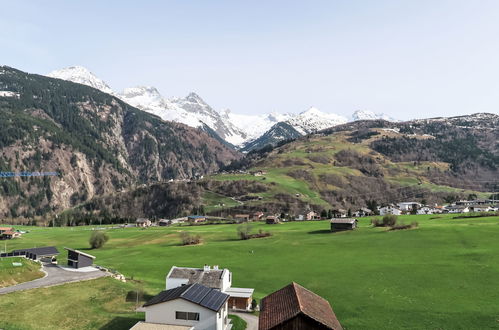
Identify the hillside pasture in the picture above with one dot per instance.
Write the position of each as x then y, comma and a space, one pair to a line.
441, 275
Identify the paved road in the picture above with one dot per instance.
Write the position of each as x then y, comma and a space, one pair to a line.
251, 320
55, 276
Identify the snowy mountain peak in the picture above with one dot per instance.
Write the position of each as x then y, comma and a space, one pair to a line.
81, 75
312, 111
369, 115
313, 120
195, 98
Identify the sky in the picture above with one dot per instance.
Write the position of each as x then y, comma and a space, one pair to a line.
408, 59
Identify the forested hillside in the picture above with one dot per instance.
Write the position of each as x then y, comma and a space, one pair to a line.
97, 143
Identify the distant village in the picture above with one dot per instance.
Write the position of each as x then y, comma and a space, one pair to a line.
402, 208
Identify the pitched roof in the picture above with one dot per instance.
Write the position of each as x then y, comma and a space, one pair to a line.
211, 278
343, 220
41, 251
292, 300
79, 252
196, 293
6, 228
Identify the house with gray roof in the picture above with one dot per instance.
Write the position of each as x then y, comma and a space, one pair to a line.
211, 277
191, 306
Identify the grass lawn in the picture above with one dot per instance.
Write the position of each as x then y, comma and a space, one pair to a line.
237, 322
442, 275
97, 304
11, 275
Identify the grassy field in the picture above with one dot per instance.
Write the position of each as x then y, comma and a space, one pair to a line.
98, 304
10, 274
442, 275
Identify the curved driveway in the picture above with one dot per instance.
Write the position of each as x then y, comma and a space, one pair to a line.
55, 276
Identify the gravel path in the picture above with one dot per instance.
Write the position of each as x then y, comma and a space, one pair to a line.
251, 320
55, 276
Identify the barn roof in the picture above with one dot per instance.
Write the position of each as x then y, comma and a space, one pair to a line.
211, 278
291, 301
79, 252
196, 293
343, 220
41, 251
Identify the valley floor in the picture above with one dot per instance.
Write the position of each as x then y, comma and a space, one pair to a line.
441, 275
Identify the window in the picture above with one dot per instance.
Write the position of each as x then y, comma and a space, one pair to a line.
187, 316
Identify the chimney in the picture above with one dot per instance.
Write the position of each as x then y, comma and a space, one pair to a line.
215, 267
206, 268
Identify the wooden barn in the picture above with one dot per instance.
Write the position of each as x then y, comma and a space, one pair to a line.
196, 218
242, 217
240, 298
271, 220
343, 224
295, 308
78, 259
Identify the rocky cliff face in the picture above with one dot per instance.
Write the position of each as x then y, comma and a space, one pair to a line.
97, 143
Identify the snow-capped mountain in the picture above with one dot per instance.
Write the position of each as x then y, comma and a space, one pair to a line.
253, 126
81, 75
369, 115
192, 110
314, 120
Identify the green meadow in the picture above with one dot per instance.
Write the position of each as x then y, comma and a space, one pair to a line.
442, 275
12, 273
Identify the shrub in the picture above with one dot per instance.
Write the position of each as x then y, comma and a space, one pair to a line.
189, 239
404, 226
98, 239
244, 231
389, 220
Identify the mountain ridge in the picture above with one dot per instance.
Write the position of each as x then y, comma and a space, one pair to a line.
237, 129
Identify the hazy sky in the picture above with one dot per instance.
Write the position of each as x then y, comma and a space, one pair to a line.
409, 59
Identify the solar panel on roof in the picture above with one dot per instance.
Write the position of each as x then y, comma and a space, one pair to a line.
196, 293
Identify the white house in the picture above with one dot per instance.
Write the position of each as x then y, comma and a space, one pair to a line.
457, 209
389, 210
425, 210
408, 206
215, 278
193, 306
481, 208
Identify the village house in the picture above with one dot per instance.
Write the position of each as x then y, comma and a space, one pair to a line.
272, 220
389, 210
363, 212
164, 222
310, 215
343, 224
256, 216
143, 222
481, 208
196, 218
242, 217
408, 206
191, 306
294, 307
457, 209
220, 279
9, 233
474, 202
425, 210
